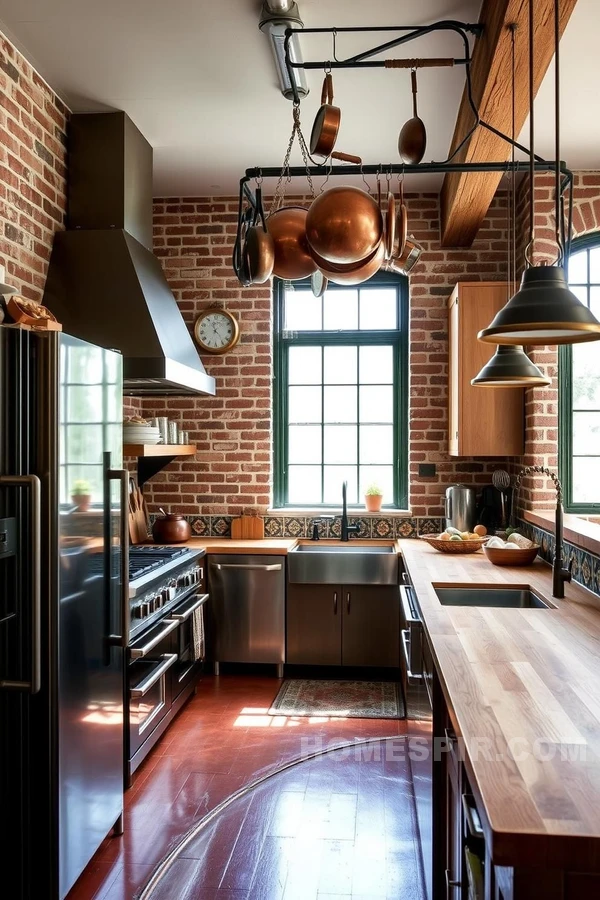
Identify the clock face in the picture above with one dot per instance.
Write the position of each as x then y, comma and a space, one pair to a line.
216, 331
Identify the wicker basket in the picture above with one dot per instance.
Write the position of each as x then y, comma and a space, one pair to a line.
499, 556
454, 546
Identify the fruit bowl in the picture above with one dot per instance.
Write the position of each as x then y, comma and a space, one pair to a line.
445, 546
500, 556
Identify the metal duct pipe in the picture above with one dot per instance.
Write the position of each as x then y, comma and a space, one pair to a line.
276, 17
279, 6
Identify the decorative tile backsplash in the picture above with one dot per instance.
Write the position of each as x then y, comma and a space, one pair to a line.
586, 566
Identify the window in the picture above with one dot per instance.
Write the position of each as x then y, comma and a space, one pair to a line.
341, 376
580, 390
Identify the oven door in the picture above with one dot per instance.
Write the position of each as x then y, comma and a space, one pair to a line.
149, 683
188, 665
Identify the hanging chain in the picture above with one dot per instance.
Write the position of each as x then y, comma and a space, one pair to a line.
279, 194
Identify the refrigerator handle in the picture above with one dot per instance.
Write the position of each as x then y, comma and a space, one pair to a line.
122, 476
32, 482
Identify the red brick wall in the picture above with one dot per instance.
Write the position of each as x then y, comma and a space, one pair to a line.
32, 171
232, 431
541, 404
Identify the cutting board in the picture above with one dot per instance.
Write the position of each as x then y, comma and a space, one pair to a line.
248, 528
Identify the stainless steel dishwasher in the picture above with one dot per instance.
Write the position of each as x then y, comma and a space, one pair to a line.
248, 608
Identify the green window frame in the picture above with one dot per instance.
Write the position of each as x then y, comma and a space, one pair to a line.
398, 338
588, 291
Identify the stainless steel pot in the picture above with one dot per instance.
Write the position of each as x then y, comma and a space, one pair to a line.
460, 507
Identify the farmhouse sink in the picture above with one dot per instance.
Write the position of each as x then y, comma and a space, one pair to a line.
317, 547
482, 595
342, 563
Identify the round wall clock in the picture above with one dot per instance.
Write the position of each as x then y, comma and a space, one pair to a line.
216, 330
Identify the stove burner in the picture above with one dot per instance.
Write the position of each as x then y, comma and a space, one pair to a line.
145, 559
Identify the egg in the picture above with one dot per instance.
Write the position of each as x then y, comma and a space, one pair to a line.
520, 540
444, 536
455, 537
452, 530
496, 543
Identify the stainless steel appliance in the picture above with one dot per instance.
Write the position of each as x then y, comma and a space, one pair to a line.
62, 613
460, 507
417, 678
166, 587
248, 609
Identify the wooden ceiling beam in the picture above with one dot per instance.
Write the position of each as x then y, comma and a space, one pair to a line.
466, 196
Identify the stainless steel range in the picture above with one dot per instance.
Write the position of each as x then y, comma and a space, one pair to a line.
166, 589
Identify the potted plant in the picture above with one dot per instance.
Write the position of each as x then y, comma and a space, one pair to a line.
81, 496
373, 497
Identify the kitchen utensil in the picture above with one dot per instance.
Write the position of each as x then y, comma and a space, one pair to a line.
248, 528
454, 546
240, 257
327, 122
408, 259
347, 157
413, 137
287, 226
318, 283
390, 225
162, 423
173, 433
171, 529
344, 225
401, 230
460, 507
501, 481
360, 273
259, 248
184, 437
138, 514
499, 556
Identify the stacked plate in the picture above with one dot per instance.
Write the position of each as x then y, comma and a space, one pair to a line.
141, 434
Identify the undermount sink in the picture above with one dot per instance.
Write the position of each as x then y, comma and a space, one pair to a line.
481, 595
342, 563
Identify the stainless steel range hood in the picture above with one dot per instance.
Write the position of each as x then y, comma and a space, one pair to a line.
104, 283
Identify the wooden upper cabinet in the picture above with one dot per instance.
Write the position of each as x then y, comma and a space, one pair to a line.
483, 421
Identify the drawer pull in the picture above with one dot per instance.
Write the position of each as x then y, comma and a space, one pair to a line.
450, 882
182, 616
139, 652
144, 686
412, 677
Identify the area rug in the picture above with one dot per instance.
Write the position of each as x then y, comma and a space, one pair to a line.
347, 699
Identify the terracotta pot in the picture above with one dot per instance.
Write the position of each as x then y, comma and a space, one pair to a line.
373, 502
171, 529
287, 227
82, 501
344, 225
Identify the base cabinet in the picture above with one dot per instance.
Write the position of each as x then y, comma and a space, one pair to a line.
350, 625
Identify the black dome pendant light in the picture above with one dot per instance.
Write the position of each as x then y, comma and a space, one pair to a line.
510, 366
544, 310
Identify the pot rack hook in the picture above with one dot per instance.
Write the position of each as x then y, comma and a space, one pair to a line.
328, 168
365, 182
334, 38
259, 178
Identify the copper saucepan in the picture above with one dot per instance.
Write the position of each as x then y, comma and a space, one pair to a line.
360, 273
259, 248
327, 122
408, 259
344, 225
287, 227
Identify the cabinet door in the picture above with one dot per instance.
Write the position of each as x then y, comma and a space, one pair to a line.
370, 626
453, 374
314, 625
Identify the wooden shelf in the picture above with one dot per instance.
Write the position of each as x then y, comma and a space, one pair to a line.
151, 458
147, 450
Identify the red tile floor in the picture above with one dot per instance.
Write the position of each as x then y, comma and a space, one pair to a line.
339, 825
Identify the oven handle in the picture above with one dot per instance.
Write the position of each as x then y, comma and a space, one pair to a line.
144, 686
407, 609
412, 677
275, 567
182, 616
139, 652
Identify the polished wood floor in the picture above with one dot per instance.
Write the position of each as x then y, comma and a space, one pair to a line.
340, 825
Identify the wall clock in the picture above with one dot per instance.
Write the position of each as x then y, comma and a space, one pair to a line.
216, 330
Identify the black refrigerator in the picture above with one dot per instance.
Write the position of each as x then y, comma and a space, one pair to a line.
63, 554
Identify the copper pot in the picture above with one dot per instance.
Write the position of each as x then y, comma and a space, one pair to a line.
171, 529
287, 227
344, 225
327, 122
342, 269
259, 250
360, 273
407, 260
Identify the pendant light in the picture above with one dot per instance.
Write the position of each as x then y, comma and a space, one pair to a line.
544, 310
510, 367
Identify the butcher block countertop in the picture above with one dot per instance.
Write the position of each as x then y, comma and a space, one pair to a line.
519, 681
270, 546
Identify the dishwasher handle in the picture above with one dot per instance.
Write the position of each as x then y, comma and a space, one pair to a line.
274, 567
411, 616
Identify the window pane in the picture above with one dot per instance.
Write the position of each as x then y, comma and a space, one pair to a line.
304, 444
334, 476
304, 404
594, 265
302, 311
84, 402
340, 404
378, 308
382, 476
84, 443
376, 444
578, 273
305, 365
377, 404
304, 484
376, 365
341, 310
586, 377
340, 365
340, 443
586, 475
586, 435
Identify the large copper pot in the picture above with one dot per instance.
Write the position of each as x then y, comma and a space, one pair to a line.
360, 273
287, 227
171, 529
344, 225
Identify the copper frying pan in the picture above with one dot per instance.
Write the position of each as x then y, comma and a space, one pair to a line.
327, 122
259, 248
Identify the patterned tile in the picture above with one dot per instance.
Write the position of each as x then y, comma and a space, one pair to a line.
273, 526
406, 528
335, 527
596, 585
200, 525
586, 566
220, 526
364, 526
587, 570
294, 526
382, 527
429, 526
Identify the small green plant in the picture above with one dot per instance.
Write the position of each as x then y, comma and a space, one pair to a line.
373, 490
80, 488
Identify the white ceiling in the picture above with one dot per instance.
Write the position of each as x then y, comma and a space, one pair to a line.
198, 79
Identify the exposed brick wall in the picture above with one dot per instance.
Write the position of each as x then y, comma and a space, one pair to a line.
233, 470
541, 404
32, 171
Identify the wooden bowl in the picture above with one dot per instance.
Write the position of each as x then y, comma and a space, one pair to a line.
454, 546
27, 312
501, 557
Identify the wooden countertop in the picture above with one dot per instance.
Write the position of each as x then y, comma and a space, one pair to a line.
271, 546
520, 681
576, 530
